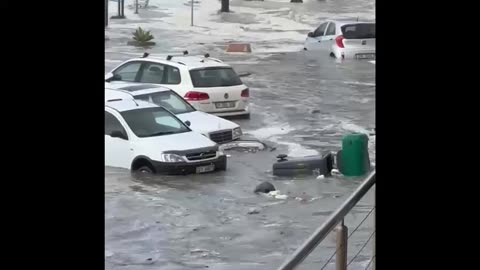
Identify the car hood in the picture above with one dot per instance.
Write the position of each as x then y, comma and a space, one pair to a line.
153, 147
206, 123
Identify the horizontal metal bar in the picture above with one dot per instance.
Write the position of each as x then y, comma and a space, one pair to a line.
309, 245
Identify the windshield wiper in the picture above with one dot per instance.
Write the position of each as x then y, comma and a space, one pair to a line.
162, 133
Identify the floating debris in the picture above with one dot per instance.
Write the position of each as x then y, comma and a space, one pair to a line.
335, 172
276, 195
243, 145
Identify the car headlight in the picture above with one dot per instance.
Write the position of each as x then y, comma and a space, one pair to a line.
171, 158
237, 132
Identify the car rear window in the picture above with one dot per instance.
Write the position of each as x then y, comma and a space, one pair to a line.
358, 31
169, 100
214, 77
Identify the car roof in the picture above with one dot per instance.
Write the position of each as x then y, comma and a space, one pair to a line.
139, 92
122, 105
137, 89
349, 21
188, 61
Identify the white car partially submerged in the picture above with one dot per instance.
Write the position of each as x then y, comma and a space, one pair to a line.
343, 39
147, 138
205, 82
216, 128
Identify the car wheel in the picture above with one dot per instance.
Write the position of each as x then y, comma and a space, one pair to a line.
223, 166
145, 170
332, 54
245, 116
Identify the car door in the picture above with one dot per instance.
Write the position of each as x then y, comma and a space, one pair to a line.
330, 35
315, 38
118, 150
128, 72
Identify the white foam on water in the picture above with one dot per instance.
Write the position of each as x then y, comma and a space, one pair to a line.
269, 132
360, 83
296, 149
274, 133
362, 100
246, 62
279, 49
353, 127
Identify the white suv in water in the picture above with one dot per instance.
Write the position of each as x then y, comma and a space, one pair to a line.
217, 129
144, 137
207, 83
344, 39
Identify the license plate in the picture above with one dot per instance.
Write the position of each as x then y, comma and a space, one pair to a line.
204, 169
222, 105
366, 56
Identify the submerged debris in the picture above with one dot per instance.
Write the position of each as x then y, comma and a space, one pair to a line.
264, 187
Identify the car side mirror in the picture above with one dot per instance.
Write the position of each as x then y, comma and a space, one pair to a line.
187, 123
118, 134
310, 34
114, 77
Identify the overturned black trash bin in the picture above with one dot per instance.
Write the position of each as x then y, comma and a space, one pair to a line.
309, 165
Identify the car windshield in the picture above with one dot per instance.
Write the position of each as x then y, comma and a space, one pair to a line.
358, 31
214, 77
168, 100
150, 122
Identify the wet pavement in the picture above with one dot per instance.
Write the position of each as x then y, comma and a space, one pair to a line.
302, 104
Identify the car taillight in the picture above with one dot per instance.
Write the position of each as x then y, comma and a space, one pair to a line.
339, 41
245, 93
194, 95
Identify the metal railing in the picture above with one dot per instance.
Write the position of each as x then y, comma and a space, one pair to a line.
321, 233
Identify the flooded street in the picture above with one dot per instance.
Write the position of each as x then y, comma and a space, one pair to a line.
302, 103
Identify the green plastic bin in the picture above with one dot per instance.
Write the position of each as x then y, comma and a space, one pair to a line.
353, 159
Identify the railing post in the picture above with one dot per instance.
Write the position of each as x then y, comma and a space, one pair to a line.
334, 221
106, 12
374, 253
191, 21
342, 242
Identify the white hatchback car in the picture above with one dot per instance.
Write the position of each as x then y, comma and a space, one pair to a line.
207, 83
344, 39
144, 137
217, 129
